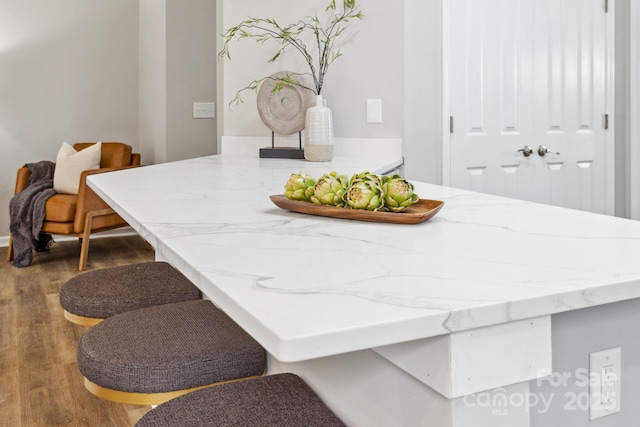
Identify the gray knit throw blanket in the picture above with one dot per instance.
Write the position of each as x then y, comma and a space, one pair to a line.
26, 212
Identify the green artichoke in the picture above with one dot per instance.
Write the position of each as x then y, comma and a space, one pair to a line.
365, 192
398, 193
298, 186
330, 190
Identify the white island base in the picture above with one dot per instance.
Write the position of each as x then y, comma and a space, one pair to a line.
396, 385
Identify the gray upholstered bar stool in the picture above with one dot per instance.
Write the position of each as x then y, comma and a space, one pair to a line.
91, 297
151, 355
282, 400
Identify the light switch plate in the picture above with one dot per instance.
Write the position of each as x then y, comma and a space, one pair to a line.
604, 382
374, 111
204, 110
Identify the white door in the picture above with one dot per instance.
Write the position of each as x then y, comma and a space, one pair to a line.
530, 73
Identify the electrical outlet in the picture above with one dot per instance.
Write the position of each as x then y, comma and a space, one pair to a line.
604, 384
204, 110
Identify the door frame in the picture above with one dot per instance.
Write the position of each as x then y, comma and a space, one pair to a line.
634, 110
609, 105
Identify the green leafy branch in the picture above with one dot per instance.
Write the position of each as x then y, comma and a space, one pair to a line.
292, 37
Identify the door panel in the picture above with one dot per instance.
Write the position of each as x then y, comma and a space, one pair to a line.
491, 86
529, 72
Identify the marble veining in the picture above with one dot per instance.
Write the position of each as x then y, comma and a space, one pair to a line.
308, 286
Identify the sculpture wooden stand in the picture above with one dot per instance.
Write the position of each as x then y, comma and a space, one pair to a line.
274, 152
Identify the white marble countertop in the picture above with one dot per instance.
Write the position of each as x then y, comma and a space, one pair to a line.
307, 287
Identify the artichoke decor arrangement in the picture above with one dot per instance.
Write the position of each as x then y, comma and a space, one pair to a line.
329, 190
314, 38
365, 191
297, 188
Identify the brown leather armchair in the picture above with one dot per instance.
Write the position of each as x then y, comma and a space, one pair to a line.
85, 213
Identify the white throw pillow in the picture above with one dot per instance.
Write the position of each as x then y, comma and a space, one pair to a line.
71, 163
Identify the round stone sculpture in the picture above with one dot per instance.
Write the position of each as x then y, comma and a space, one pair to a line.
284, 111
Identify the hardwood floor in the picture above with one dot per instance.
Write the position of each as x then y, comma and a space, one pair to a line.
40, 384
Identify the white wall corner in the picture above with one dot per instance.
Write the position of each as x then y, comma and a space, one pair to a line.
634, 109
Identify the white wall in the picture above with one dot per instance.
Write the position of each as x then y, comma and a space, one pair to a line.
395, 55
153, 80
68, 72
109, 70
371, 67
177, 68
623, 132
575, 334
191, 77
423, 114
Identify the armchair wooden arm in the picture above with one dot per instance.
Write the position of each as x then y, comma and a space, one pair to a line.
89, 201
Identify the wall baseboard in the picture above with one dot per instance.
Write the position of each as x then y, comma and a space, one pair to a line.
125, 231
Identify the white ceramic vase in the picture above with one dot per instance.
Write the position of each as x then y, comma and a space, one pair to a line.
318, 145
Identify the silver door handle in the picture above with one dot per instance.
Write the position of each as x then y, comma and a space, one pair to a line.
526, 151
542, 150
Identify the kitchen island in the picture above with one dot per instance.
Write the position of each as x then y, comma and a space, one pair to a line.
392, 325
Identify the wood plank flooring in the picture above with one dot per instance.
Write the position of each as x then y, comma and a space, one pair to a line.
40, 384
